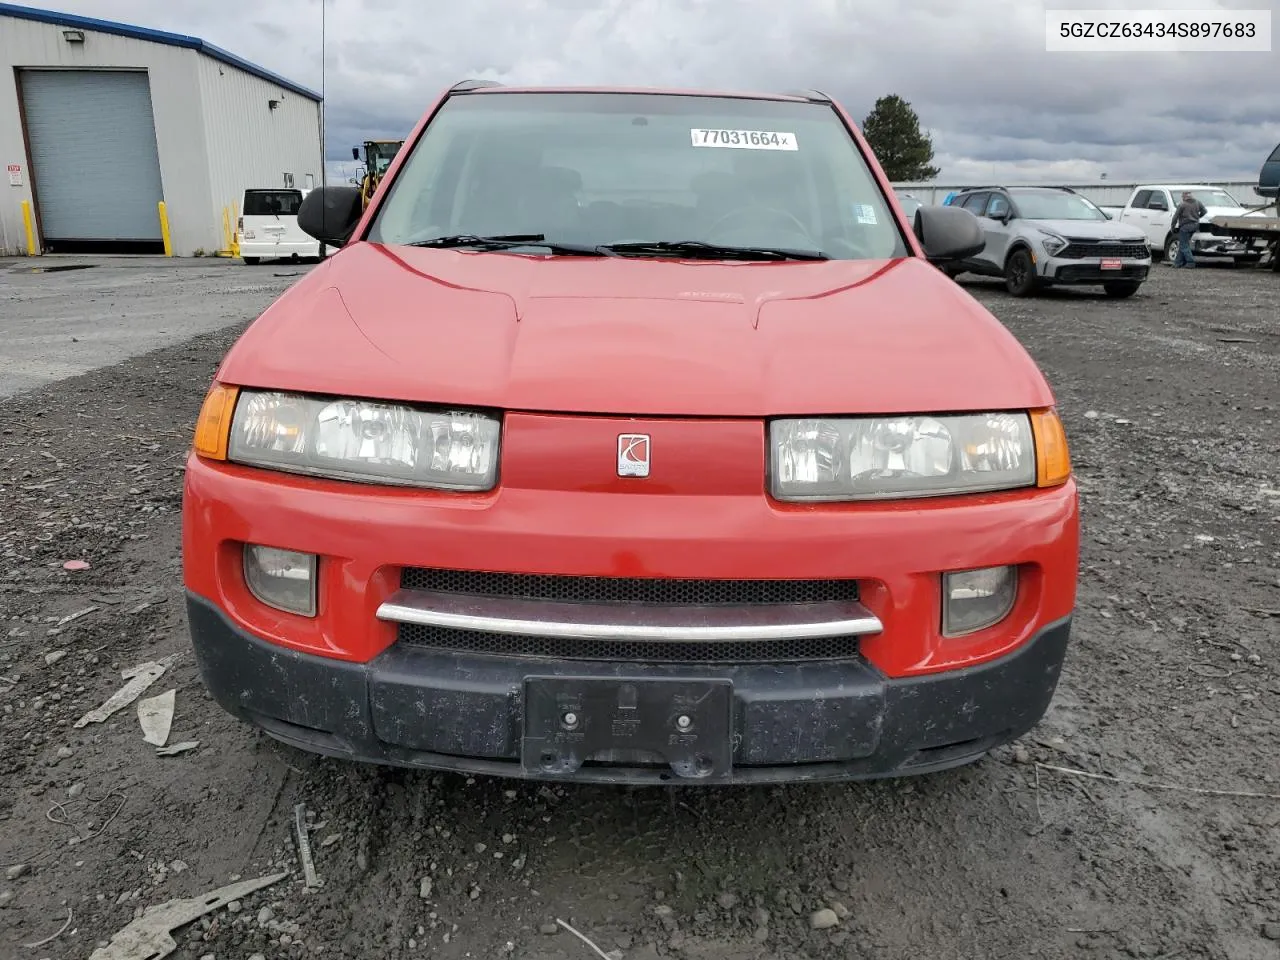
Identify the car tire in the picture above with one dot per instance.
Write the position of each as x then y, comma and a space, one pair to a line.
1121, 288
251, 261
1171, 248
1020, 274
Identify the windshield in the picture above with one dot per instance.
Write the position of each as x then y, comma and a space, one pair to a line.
266, 203
605, 168
1213, 198
1055, 205
383, 154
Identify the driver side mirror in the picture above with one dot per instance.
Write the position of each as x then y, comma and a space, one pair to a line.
329, 214
949, 233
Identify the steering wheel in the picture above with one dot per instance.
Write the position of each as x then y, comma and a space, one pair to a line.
763, 214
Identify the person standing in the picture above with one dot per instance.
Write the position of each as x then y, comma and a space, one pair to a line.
1186, 221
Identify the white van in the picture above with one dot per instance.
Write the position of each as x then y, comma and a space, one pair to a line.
268, 226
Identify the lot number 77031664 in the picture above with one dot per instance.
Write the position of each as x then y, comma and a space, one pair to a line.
744, 139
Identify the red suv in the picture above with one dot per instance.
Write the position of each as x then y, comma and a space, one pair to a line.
632, 436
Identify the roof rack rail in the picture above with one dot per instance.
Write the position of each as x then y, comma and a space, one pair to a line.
817, 96
464, 85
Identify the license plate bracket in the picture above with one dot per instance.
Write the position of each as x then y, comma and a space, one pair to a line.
685, 723
1112, 263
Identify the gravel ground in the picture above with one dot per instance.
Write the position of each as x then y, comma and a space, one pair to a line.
1171, 404
61, 316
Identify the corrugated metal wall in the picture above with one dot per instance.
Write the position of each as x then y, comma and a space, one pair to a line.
175, 96
1103, 193
250, 144
215, 134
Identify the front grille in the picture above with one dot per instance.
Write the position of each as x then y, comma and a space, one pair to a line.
642, 591
562, 648
659, 590
1079, 249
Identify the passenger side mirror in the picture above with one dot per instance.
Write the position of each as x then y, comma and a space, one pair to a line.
949, 233
329, 214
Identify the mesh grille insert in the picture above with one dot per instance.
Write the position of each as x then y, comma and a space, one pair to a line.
562, 648
1077, 250
652, 590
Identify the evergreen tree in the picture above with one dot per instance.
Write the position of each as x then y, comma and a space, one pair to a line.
893, 131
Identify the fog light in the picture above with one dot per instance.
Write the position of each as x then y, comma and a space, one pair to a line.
975, 599
283, 579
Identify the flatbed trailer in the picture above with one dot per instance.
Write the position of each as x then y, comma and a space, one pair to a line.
1266, 229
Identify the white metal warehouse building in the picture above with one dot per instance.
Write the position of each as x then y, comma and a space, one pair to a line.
101, 122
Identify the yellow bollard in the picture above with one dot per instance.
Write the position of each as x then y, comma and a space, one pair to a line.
235, 234
29, 224
164, 230
226, 231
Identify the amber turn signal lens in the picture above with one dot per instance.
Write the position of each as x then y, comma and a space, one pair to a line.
1053, 459
213, 428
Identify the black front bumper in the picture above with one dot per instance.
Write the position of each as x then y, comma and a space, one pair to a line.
414, 707
1092, 273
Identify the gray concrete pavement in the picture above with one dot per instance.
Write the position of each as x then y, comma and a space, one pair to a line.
57, 322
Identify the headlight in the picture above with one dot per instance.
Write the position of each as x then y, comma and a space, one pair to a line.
365, 441
1053, 244
877, 458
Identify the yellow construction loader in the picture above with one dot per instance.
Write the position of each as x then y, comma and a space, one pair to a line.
378, 155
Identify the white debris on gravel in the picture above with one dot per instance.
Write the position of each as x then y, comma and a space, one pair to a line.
155, 715
139, 679
173, 749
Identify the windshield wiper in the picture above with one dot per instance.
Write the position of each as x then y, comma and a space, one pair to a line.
507, 241
711, 251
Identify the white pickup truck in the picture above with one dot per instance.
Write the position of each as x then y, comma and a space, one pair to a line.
1150, 208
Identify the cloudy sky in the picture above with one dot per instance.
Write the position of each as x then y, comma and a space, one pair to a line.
976, 71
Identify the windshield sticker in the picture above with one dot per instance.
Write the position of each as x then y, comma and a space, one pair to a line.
744, 139
865, 213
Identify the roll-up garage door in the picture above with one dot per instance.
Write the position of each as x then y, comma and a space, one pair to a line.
92, 139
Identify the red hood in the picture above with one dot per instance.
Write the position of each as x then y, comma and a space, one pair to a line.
636, 336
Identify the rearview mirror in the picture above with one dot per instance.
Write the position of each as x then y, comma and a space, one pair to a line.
329, 214
948, 233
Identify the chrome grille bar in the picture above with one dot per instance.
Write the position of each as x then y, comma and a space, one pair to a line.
638, 622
